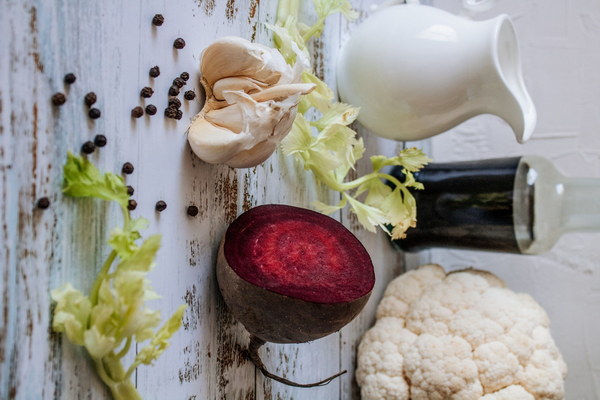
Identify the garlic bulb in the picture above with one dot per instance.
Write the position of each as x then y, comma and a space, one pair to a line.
251, 100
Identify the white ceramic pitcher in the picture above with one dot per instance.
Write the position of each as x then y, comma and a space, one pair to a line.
417, 71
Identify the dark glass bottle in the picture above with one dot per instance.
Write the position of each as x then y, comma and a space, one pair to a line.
517, 205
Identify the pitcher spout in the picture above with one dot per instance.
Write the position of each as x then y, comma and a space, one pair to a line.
515, 106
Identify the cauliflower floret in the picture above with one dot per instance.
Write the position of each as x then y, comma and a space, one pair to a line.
442, 367
458, 336
514, 392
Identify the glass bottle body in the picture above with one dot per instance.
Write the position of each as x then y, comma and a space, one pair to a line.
517, 205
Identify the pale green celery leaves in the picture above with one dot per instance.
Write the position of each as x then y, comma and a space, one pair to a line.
71, 312
143, 258
320, 98
289, 41
329, 209
330, 149
159, 342
369, 216
97, 344
123, 241
336, 114
83, 179
325, 8
114, 314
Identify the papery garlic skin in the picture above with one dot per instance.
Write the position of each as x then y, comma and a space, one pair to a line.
251, 102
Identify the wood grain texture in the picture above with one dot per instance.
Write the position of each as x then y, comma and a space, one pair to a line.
110, 46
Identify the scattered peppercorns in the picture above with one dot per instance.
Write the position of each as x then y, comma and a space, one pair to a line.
58, 99
146, 92
90, 99
70, 78
130, 190
174, 102
88, 147
173, 91
131, 204
189, 95
154, 72
160, 206
179, 114
185, 76
137, 112
179, 43
151, 109
178, 82
171, 112
100, 140
43, 203
192, 211
127, 168
94, 113
158, 20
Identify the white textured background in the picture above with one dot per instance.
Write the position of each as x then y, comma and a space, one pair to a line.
560, 53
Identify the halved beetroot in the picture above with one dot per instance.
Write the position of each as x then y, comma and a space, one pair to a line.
292, 275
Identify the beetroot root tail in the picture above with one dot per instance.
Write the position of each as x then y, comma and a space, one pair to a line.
256, 343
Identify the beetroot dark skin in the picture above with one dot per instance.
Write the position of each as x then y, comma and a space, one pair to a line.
292, 275
281, 319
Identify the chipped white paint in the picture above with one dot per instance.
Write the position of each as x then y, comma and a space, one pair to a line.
110, 46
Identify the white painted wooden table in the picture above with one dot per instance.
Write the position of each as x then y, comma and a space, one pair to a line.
110, 46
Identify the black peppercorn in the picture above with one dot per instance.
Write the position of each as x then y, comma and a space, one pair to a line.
90, 99
178, 82
131, 204
171, 112
70, 78
146, 92
174, 102
88, 147
185, 76
94, 113
189, 95
179, 114
158, 20
150, 109
100, 140
160, 206
43, 203
137, 112
130, 190
127, 168
192, 211
154, 71
173, 91
179, 43
58, 99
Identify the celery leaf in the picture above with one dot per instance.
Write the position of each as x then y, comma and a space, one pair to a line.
330, 149
83, 179
114, 315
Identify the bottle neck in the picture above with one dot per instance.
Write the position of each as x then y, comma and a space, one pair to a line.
580, 204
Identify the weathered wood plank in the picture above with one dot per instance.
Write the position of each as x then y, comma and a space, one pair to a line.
110, 46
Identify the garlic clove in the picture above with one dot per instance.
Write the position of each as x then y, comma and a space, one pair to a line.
256, 155
214, 144
235, 56
252, 98
247, 85
227, 117
281, 92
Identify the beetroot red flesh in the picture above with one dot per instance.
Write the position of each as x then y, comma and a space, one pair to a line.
298, 253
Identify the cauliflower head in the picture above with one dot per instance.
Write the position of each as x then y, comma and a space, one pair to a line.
460, 336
